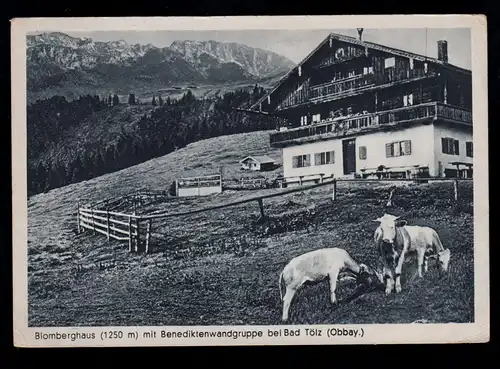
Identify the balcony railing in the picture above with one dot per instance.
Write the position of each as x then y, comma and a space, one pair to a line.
338, 87
454, 113
358, 123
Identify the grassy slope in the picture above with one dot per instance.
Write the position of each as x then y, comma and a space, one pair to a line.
227, 288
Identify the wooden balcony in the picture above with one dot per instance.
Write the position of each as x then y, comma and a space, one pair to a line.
351, 125
326, 90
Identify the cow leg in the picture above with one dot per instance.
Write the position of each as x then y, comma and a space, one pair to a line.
287, 300
398, 269
421, 262
389, 281
333, 285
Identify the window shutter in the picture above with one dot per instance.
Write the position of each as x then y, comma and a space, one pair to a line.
444, 145
469, 149
457, 147
307, 160
407, 147
295, 161
388, 150
330, 158
362, 152
317, 159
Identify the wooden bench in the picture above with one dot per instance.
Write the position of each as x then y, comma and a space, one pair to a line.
396, 172
300, 180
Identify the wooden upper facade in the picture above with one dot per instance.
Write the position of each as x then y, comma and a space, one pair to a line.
347, 86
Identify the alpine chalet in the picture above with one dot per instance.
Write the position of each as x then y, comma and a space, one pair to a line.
353, 108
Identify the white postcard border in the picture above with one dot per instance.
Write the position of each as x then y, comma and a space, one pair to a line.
478, 331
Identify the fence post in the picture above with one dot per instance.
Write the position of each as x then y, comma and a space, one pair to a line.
138, 236
148, 235
93, 220
455, 189
300, 180
220, 174
108, 230
129, 234
261, 206
78, 218
321, 178
334, 192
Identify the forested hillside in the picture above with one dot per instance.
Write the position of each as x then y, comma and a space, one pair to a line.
72, 141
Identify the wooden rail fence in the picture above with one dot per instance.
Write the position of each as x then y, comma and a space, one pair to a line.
130, 227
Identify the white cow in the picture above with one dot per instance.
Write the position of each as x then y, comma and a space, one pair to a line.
316, 266
395, 240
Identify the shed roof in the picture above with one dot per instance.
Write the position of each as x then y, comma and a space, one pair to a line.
259, 158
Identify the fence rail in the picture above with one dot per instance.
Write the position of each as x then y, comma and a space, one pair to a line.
137, 229
197, 186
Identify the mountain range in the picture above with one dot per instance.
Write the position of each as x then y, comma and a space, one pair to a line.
57, 61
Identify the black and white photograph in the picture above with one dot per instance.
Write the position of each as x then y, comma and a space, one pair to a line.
242, 177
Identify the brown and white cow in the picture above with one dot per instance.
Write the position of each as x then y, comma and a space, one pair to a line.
395, 240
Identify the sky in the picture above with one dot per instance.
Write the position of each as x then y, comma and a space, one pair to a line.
296, 44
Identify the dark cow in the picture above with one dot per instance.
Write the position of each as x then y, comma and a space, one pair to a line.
395, 240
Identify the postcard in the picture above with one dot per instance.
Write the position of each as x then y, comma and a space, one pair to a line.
268, 180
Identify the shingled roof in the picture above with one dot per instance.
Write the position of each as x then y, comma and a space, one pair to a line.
370, 45
259, 158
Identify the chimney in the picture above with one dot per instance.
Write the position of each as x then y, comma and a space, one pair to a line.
360, 33
442, 51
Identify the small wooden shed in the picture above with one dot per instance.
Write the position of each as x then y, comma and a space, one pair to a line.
258, 163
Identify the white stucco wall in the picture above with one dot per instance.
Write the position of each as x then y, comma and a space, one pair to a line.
422, 152
311, 148
460, 134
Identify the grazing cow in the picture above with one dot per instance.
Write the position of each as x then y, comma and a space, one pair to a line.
395, 240
316, 266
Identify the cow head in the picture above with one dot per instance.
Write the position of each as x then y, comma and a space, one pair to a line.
443, 261
369, 276
388, 224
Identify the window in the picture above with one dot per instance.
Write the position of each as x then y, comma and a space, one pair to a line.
323, 158
368, 70
390, 62
301, 161
400, 148
362, 153
351, 73
450, 146
408, 99
469, 149
316, 118
411, 63
303, 120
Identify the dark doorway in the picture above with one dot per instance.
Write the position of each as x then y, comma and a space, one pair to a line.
349, 155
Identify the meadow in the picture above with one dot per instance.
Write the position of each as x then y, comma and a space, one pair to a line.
222, 267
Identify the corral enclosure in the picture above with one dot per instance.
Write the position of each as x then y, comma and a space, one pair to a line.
222, 266
199, 186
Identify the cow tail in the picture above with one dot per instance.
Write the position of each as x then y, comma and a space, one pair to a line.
279, 284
